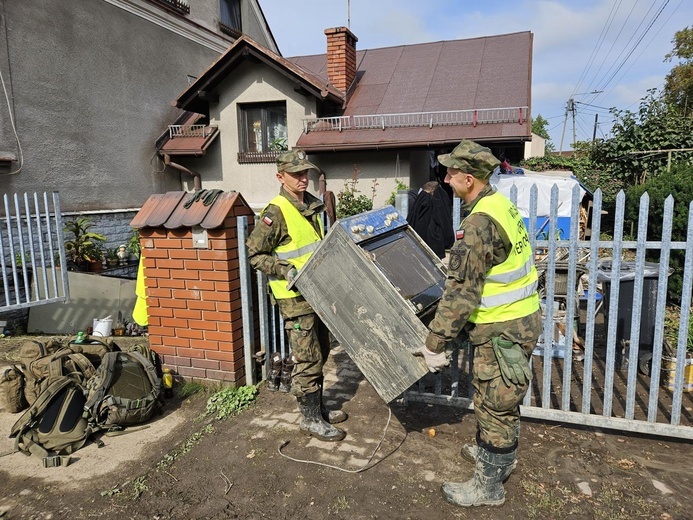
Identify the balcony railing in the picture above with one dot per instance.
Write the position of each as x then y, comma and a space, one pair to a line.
190, 130
180, 6
417, 119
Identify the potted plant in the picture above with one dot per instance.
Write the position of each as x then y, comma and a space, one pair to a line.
78, 247
134, 247
94, 255
112, 257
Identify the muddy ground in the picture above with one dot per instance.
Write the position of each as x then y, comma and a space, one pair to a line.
189, 466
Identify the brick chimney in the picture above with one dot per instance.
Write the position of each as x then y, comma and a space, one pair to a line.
341, 57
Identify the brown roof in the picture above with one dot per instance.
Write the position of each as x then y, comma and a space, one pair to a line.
188, 144
477, 73
168, 210
196, 97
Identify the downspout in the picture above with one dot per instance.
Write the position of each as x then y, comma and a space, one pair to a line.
197, 179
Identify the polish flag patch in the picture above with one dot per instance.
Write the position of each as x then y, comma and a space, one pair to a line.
267, 220
459, 234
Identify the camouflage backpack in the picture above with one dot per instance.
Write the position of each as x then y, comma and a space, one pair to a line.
12, 389
126, 390
43, 371
54, 427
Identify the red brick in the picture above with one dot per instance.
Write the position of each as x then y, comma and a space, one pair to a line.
177, 361
219, 336
188, 314
157, 273
191, 334
154, 321
158, 311
184, 254
200, 285
200, 265
205, 363
202, 325
170, 283
175, 304
174, 323
221, 356
202, 305
186, 275
218, 375
153, 254
162, 350
184, 294
215, 316
167, 243
182, 233
161, 331
204, 344
191, 353
178, 342
159, 293
218, 255
192, 372
165, 263
151, 232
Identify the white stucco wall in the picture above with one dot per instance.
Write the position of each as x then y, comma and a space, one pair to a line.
536, 147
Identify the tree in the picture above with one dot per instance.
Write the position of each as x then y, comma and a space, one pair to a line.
539, 127
655, 127
678, 87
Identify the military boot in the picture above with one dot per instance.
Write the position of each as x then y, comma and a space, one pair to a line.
313, 423
274, 372
486, 486
470, 451
285, 379
331, 416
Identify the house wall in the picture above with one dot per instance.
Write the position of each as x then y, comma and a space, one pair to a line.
250, 83
536, 147
90, 85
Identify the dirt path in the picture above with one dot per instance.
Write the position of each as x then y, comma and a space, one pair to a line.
189, 467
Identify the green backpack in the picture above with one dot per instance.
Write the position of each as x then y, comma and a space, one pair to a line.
54, 427
126, 390
12, 389
41, 372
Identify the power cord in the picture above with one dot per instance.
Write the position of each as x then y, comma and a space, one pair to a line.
365, 466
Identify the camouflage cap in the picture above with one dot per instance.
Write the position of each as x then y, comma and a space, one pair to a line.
471, 158
294, 161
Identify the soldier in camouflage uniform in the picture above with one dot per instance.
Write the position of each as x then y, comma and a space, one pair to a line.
289, 229
490, 297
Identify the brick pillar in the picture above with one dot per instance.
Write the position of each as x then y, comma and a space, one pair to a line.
341, 57
194, 301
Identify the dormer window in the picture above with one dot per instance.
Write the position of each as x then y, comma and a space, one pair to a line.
230, 17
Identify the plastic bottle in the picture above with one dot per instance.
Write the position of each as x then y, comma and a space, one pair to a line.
167, 380
81, 337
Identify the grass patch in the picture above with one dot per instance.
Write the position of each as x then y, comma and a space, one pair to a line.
189, 389
542, 498
340, 505
185, 448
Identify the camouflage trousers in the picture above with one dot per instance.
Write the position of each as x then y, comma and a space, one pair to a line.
309, 342
496, 405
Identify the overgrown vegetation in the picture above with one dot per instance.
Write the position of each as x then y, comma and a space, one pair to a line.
350, 201
230, 401
399, 186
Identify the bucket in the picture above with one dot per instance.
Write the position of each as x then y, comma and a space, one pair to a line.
102, 327
669, 373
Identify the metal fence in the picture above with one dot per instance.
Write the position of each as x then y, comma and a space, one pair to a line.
31, 251
611, 381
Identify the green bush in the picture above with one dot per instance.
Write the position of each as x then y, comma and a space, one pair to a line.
679, 184
349, 202
399, 186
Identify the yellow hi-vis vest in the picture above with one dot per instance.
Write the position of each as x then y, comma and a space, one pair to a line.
510, 289
304, 241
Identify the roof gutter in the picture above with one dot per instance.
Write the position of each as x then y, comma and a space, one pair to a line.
197, 179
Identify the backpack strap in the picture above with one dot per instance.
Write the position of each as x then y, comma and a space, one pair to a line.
98, 384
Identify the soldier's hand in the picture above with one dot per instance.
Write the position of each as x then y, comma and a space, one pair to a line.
290, 276
434, 361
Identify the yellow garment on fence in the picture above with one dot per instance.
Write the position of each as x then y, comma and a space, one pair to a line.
139, 313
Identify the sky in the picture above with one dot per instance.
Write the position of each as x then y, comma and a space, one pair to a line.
581, 47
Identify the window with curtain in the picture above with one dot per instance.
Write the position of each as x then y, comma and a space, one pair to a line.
230, 16
263, 131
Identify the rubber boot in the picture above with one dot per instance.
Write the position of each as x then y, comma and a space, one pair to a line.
313, 423
274, 372
331, 416
485, 488
285, 379
470, 451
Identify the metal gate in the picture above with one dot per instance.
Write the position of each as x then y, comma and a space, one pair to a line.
32, 250
610, 383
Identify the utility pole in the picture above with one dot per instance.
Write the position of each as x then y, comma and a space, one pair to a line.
594, 133
570, 107
349, 14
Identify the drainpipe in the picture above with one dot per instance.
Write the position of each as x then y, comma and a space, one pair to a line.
197, 180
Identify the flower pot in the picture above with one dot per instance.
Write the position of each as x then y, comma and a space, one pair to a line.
95, 266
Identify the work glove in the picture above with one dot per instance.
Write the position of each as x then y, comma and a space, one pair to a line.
290, 276
434, 362
512, 361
